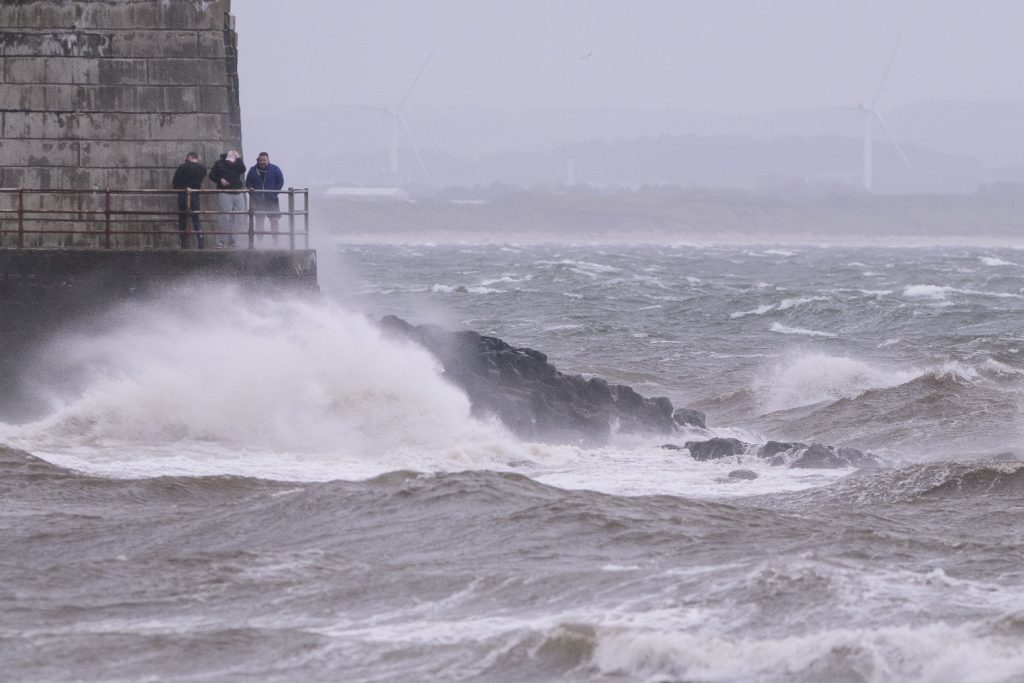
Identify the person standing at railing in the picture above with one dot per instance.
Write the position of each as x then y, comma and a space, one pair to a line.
189, 176
265, 180
228, 174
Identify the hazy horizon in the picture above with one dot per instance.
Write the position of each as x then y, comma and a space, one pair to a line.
536, 75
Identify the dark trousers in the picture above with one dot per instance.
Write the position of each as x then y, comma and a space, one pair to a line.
184, 211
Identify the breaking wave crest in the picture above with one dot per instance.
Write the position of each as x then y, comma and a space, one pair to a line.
186, 383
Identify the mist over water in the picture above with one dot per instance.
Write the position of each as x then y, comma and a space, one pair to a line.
232, 486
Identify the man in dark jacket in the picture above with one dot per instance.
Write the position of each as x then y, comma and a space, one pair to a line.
265, 180
227, 175
189, 176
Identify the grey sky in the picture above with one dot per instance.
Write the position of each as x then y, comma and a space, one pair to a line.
720, 55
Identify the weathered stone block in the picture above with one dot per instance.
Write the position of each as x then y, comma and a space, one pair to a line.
114, 14
156, 45
77, 126
122, 72
40, 152
187, 126
31, 70
210, 44
55, 44
187, 71
214, 100
124, 153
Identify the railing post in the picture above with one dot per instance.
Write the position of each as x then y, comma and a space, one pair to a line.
305, 214
21, 217
291, 218
252, 221
106, 218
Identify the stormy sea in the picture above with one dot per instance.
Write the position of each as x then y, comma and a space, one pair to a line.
220, 486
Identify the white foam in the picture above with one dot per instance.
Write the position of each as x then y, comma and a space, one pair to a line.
926, 291
784, 329
995, 262
228, 384
760, 310
783, 305
807, 378
940, 292
933, 652
786, 304
463, 289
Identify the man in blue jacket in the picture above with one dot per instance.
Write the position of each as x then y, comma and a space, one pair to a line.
265, 180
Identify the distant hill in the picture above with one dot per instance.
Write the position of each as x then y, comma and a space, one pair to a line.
955, 146
829, 163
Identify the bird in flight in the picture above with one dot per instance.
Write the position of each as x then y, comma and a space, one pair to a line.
586, 56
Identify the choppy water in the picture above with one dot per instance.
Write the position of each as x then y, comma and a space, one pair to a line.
227, 489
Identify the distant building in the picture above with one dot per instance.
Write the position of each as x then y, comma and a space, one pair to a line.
367, 194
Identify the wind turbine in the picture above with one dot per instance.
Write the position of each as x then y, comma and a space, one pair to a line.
398, 121
870, 114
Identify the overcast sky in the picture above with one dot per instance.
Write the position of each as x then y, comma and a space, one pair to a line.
707, 55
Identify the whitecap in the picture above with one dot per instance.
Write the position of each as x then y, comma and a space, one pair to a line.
760, 310
993, 261
786, 304
801, 379
784, 329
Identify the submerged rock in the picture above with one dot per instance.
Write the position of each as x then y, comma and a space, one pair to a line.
527, 393
819, 456
778, 453
716, 448
743, 474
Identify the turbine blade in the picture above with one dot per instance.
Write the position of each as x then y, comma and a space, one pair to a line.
885, 75
878, 117
416, 80
415, 149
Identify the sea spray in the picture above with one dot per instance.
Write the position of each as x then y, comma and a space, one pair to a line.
213, 371
803, 378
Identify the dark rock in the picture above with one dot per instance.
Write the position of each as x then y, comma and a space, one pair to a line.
671, 447
819, 456
529, 395
773, 448
716, 448
688, 417
742, 474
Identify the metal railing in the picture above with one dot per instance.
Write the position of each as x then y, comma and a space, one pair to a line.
99, 218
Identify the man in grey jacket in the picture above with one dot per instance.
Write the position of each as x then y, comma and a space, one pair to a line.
228, 174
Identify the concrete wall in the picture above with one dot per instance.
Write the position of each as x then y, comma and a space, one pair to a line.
113, 93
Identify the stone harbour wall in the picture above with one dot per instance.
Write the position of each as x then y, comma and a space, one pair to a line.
114, 93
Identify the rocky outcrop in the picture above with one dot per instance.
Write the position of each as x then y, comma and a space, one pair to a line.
778, 453
536, 401
531, 397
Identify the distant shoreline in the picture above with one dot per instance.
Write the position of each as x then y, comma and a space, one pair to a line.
684, 217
